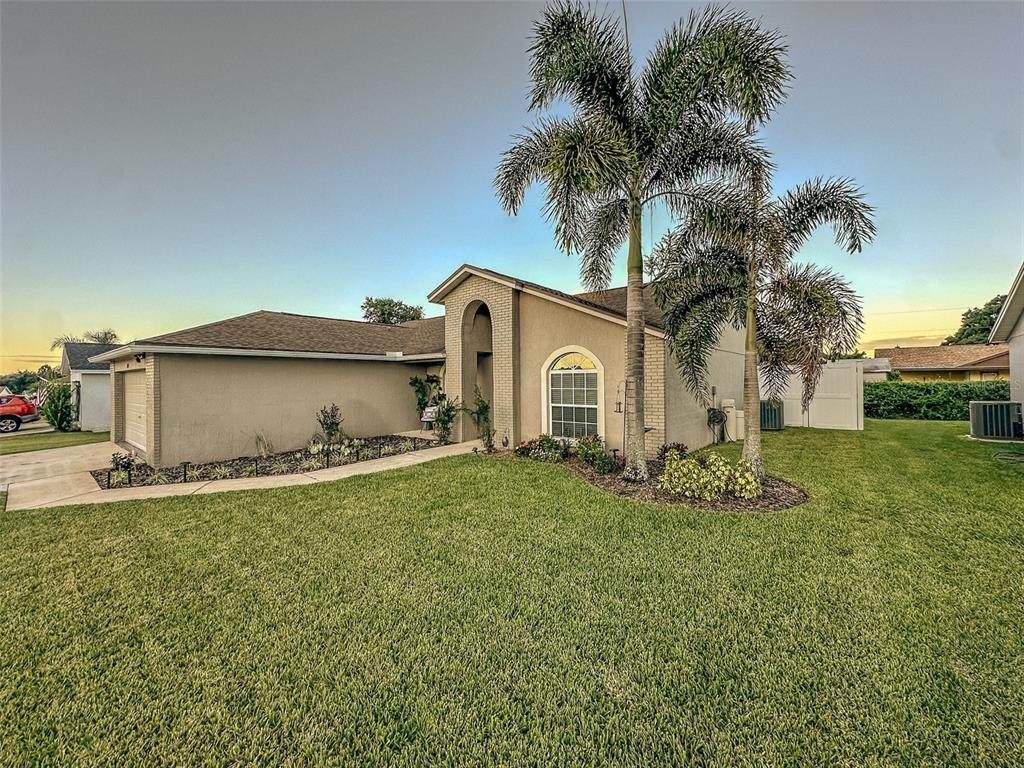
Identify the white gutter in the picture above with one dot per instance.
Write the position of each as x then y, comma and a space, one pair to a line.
137, 349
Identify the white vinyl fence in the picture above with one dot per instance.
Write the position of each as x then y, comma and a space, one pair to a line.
838, 401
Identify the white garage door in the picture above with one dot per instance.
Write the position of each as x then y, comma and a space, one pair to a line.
135, 408
838, 400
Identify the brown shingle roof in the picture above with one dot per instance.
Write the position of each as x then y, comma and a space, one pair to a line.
283, 331
951, 357
615, 300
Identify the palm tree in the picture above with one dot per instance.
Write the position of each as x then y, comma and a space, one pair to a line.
102, 336
636, 140
732, 263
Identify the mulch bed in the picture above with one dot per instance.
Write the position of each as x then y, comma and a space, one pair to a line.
286, 463
778, 494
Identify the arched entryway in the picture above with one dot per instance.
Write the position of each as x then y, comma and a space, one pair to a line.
477, 359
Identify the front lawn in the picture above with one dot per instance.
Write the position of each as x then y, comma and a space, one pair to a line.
473, 610
19, 443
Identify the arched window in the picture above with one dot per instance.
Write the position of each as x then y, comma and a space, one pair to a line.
573, 396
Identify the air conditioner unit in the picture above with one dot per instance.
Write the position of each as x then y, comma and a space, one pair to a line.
772, 415
996, 420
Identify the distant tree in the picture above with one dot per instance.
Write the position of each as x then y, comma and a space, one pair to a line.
102, 336
976, 323
47, 371
855, 355
18, 382
389, 311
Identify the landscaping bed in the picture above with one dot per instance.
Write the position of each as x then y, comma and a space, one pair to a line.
776, 494
285, 463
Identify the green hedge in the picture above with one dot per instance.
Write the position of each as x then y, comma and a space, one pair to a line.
936, 400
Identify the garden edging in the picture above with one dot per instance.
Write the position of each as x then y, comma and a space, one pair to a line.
40, 494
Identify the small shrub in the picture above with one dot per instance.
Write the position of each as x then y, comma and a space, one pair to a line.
590, 450
220, 473
264, 447
118, 477
387, 449
159, 478
481, 416
367, 454
708, 476
192, 474
544, 448
57, 409
679, 448
315, 445
428, 391
743, 483
447, 410
310, 465
408, 446
122, 461
280, 468
247, 470
329, 419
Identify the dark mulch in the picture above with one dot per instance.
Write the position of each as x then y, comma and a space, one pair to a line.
778, 494
286, 463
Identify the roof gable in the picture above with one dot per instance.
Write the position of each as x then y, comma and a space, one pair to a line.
1012, 311
609, 303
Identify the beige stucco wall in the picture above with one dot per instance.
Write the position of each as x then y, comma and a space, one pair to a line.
546, 327
1016, 342
686, 418
211, 407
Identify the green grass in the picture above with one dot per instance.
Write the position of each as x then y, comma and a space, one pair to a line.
29, 442
484, 611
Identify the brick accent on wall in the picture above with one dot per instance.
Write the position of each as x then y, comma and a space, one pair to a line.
654, 393
503, 306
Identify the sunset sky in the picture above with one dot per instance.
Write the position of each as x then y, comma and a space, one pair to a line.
169, 164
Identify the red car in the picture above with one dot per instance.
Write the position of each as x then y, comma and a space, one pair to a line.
15, 410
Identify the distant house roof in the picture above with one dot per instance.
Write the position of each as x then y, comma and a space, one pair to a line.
953, 357
76, 357
1012, 310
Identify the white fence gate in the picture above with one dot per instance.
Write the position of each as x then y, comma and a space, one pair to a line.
838, 401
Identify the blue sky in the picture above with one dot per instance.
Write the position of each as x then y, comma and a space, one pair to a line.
166, 164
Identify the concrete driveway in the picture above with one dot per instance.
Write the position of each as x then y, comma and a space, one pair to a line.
54, 462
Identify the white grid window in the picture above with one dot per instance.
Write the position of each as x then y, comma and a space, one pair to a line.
573, 396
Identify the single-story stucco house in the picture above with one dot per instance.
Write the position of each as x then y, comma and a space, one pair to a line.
90, 384
1009, 329
952, 362
548, 361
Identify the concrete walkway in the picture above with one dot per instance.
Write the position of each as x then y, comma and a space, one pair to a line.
29, 490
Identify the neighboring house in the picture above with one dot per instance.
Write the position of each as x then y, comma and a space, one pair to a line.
876, 369
1009, 328
955, 362
90, 384
547, 361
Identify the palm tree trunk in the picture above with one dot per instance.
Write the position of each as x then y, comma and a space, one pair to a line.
752, 395
636, 454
